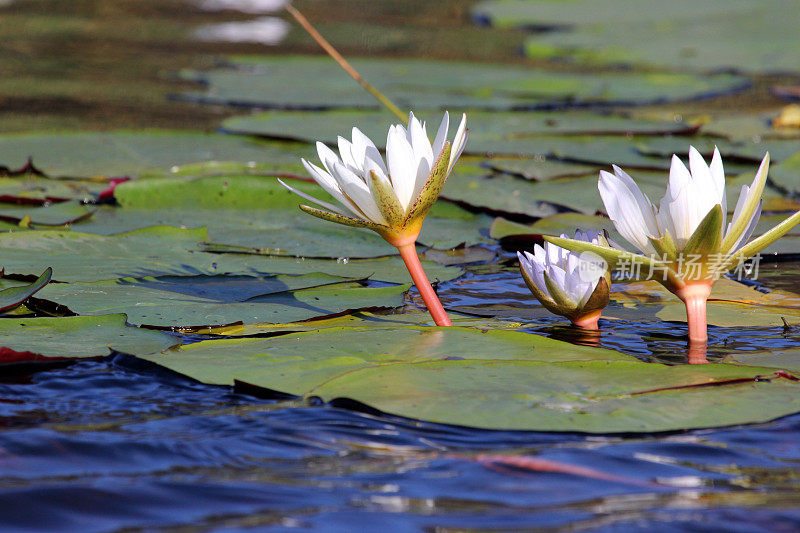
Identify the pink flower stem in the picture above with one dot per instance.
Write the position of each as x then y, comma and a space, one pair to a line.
695, 295
409, 254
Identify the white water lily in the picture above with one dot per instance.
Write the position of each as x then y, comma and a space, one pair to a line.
574, 285
390, 196
686, 240
691, 195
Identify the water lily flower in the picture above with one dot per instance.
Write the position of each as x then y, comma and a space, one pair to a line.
571, 284
391, 196
687, 241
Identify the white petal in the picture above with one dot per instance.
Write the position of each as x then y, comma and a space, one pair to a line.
629, 209
750, 228
331, 186
327, 156
402, 169
459, 142
317, 201
441, 135
346, 151
359, 192
718, 176
364, 148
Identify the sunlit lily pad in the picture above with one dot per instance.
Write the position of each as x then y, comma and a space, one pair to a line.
492, 379
295, 82
160, 251
364, 319
257, 212
192, 302
131, 153
77, 337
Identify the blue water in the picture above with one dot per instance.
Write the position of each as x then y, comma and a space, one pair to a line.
116, 444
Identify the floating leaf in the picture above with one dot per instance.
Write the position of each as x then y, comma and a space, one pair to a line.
760, 39
259, 213
58, 214
160, 251
14, 296
363, 319
129, 153
492, 379
77, 336
183, 302
484, 126
539, 169
299, 82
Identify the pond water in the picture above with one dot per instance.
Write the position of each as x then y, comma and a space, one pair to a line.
117, 444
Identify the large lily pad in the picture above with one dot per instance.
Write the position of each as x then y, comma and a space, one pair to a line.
159, 251
538, 13
319, 83
77, 337
188, 302
130, 153
258, 212
492, 379
303, 125
760, 39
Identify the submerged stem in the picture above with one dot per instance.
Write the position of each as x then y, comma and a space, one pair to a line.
382, 98
409, 254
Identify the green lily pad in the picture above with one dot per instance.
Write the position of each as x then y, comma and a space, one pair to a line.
539, 169
78, 336
130, 153
160, 251
14, 296
497, 193
364, 319
491, 379
46, 189
192, 302
543, 13
300, 82
58, 214
752, 150
760, 39
258, 212
786, 174
484, 126
780, 358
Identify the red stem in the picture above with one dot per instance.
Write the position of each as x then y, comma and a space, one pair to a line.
409, 254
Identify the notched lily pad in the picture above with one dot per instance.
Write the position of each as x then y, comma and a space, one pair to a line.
301, 82
189, 303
